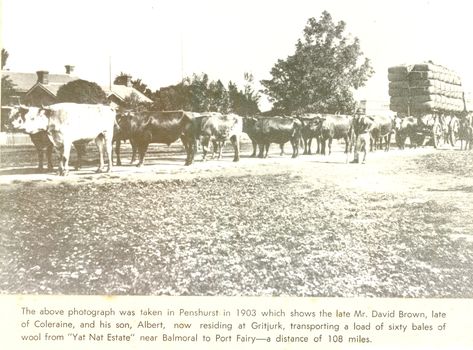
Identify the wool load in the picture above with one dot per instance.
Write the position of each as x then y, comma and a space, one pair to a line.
424, 88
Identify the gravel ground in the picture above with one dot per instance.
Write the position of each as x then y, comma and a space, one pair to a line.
398, 226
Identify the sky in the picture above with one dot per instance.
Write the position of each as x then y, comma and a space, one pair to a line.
160, 41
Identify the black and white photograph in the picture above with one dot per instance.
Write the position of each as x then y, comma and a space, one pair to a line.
237, 148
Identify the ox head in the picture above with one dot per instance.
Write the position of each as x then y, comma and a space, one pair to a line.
397, 122
249, 123
29, 120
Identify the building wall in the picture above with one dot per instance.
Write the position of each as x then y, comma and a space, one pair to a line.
38, 97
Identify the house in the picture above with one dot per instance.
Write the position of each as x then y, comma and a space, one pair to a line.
117, 94
40, 88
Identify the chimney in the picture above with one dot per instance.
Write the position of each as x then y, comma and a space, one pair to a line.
124, 80
69, 69
43, 77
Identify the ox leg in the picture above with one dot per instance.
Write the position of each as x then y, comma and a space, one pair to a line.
99, 141
295, 148
308, 144
190, 145
266, 149
281, 146
261, 150
117, 151
318, 145
80, 149
66, 151
205, 147
142, 148
330, 146
388, 142
236, 147
220, 148
108, 141
253, 142
49, 156
40, 159
133, 151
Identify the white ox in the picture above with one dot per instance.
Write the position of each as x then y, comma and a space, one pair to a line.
66, 123
219, 128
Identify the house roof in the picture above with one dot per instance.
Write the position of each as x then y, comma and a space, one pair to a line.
122, 92
25, 81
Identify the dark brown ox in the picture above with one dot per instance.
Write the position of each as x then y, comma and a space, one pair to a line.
407, 127
311, 128
335, 127
250, 127
465, 132
273, 130
218, 129
162, 127
127, 123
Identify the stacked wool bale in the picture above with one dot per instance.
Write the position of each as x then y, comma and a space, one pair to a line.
426, 88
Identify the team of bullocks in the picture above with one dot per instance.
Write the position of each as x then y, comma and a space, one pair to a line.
64, 125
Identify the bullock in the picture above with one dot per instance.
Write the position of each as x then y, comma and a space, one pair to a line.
250, 128
465, 132
279, 130
382, 128
311, 127
408, 127
335, 127
218, 129
162, 127
397, 127
199, 120
125, 124
41, 139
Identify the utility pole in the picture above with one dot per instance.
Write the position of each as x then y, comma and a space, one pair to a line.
182, 58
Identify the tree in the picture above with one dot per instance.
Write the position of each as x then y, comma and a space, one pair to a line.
81, 91
133, 101
244, 102
5, 55
8, 91
138, 84
322, 73
198, 94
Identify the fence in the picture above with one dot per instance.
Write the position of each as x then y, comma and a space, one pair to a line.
14, 139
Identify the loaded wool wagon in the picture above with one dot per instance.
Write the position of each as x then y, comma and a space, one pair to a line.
430, 92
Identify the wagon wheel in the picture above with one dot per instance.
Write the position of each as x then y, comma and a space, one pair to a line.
436, 134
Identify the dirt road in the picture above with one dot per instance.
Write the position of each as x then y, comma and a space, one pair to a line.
399, 225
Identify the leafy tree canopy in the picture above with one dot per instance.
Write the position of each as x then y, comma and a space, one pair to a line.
81, 91
198, 94
5, 55
322, 73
